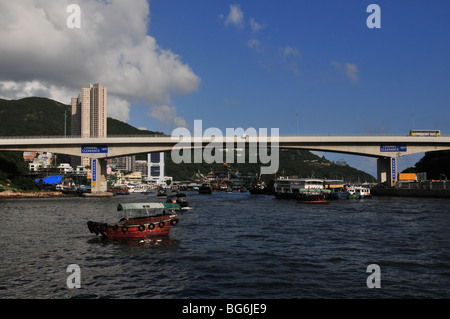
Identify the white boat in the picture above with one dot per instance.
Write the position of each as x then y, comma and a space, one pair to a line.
359, 192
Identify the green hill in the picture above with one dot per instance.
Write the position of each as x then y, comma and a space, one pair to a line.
301, 163
435, 164
35, 116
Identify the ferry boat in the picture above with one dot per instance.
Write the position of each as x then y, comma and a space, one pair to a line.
359, 192
140, 220
290, 188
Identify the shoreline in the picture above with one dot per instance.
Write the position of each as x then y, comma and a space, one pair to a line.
404, 192
16, 195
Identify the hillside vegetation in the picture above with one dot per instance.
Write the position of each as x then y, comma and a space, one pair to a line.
435, 164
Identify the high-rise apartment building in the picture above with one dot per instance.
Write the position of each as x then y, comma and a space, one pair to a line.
89, 115
98, 110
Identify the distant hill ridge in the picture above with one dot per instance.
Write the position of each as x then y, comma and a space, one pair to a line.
38, 116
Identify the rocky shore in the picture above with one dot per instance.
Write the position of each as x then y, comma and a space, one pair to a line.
12, 195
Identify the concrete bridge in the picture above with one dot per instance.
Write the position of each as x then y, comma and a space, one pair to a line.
385, 148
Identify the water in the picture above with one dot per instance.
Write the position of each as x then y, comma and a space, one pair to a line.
230, 246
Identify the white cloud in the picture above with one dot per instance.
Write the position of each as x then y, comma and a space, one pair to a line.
254, 44
255, 26
118, 108
290, 51
349, 69
167, 115
290, 56
235, 17
41, 56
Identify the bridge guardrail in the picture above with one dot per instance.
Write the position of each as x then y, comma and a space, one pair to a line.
157, 135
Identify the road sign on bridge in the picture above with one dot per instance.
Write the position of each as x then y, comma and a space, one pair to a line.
393, 148
94, 149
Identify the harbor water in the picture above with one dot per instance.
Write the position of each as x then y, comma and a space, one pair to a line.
230, 245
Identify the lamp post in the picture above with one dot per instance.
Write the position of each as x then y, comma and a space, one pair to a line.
65, 120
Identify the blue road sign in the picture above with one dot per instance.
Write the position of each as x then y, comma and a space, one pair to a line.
94, 149
94, 170
393, 148
394, 169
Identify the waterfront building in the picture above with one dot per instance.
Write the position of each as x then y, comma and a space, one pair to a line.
156, 169
42, 160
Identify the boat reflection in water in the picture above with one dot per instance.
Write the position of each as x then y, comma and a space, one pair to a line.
163, 241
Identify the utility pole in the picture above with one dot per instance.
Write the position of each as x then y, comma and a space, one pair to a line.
65, 120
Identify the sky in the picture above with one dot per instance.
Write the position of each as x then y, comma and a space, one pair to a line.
305, 67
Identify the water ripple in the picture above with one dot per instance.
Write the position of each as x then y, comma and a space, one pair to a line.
230, 246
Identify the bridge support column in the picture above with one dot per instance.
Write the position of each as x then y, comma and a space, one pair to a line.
98, 180
387, 170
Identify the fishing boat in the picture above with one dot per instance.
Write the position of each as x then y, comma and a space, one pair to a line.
339, 194
178, 198
119, 190
311, 196
161, 192
206, 188
140, 220
259, 188
359, 192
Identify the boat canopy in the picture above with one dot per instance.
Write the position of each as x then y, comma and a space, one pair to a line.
147, 206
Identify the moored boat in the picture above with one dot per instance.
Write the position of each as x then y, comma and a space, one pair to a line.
140, 220
259, 188
359, 192
291, 188
339, 194
178, 198
206, 188
312, 196
161, 192
119, 190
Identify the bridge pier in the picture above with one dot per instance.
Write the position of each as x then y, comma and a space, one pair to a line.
98, 181
387, 170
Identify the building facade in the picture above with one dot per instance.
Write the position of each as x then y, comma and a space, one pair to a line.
89, 116
156, 168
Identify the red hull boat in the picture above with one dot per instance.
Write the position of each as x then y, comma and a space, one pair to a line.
311, 198
141, 220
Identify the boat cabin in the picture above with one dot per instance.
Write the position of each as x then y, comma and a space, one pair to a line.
286, 187
143, 210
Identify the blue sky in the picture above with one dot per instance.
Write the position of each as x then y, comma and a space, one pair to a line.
315, 63
317, 59
306, 67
